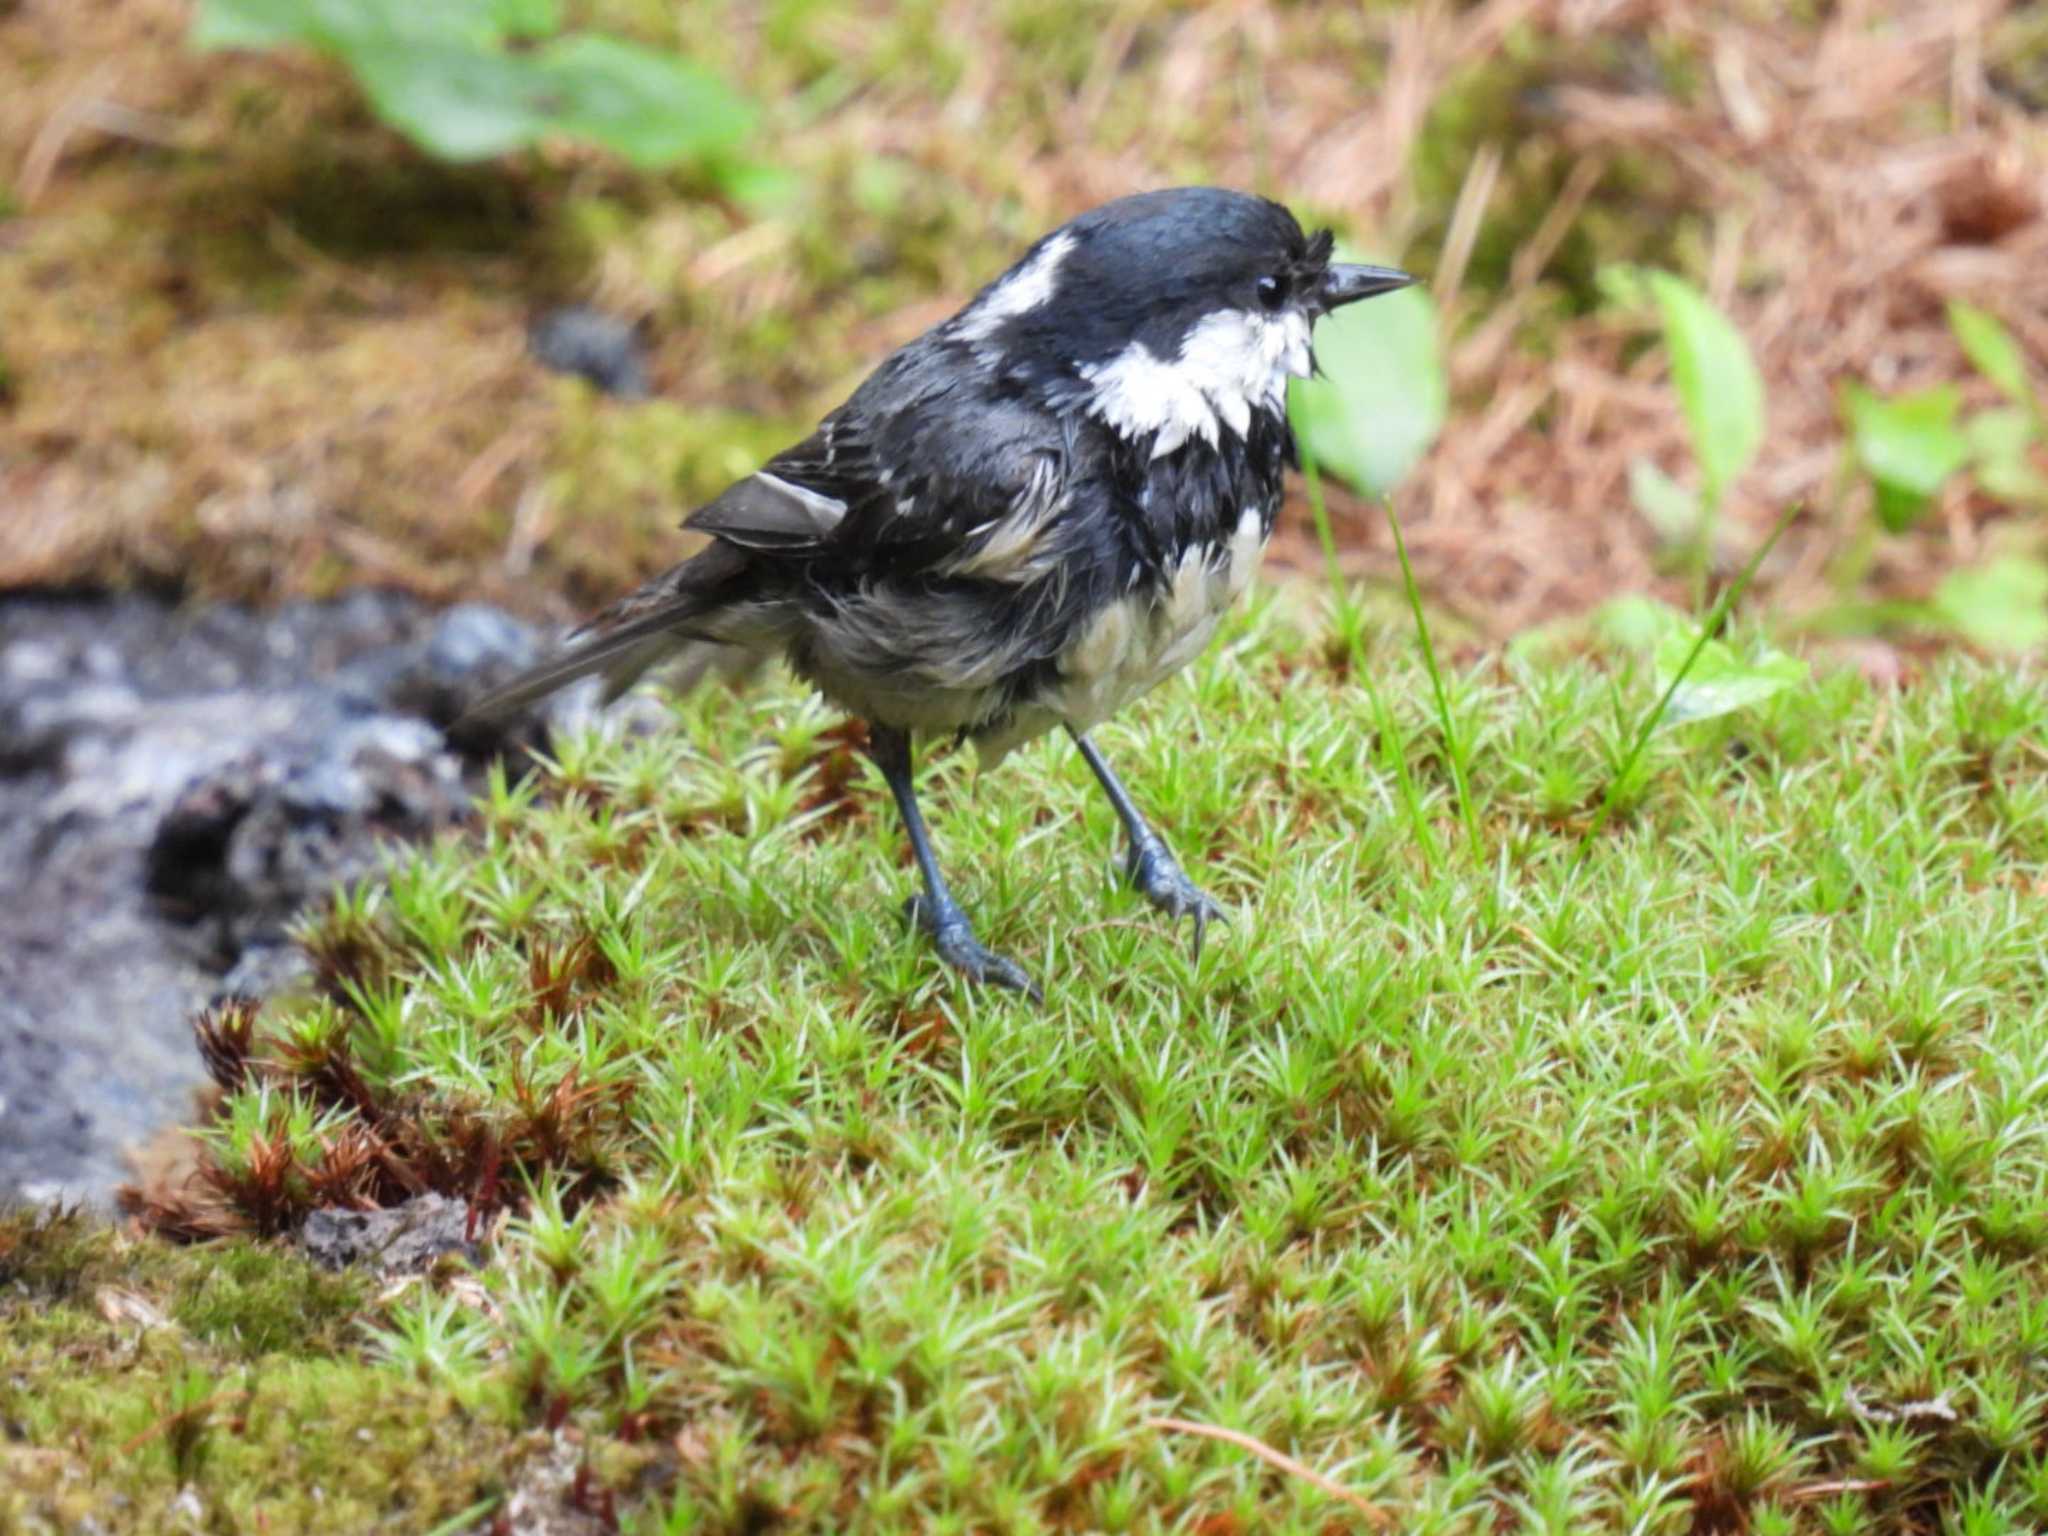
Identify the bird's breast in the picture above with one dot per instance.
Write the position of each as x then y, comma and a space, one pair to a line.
1139, 639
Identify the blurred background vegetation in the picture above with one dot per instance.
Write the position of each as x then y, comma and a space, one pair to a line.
267, 269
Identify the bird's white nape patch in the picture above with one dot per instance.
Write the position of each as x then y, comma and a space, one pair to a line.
1231, 363
1022, 290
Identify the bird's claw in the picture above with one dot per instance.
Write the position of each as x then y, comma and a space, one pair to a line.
1159, 878
959, 948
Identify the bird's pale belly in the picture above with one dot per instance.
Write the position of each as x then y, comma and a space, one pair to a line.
1140, 640
1119, 652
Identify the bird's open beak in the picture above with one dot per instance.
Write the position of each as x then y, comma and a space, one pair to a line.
1345, 283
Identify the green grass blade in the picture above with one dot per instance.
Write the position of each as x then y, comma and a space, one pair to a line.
1729, 597
1453, 751
1348, 615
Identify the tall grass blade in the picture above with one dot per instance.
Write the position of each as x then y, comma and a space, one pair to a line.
1348, 615
1729, 597
1452, 750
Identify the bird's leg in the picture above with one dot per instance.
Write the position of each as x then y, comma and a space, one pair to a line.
936, 911
1149, 863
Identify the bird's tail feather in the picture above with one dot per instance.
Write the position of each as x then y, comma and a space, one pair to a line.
666, 619
620, 656
681, 670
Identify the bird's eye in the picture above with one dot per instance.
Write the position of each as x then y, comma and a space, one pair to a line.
1273, 290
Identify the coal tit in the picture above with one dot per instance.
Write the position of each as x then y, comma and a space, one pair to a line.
1023, 519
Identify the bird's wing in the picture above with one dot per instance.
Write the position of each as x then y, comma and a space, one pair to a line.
798, 499
950, 482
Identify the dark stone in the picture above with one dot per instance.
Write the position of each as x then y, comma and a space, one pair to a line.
402, 1239
174, 786
471, 650
592, 345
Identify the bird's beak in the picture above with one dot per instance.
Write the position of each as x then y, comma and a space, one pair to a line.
1346, 283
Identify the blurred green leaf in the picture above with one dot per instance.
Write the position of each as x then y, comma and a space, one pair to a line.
526, 18
1909, 444
1634, 622
2001, 605
1624, 285
653, 108
1720, 682
1670, 509
337, 26
2001, 449
247, 24
1990, 346
1717, 381
438, 71
457, 102
1382, 396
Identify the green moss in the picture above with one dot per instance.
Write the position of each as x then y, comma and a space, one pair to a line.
252, 1301
1550, 1168
47, 1254
136, 1377
624, 473
287, 1445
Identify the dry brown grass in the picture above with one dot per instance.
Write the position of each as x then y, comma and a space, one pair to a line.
1843, 181
255, 346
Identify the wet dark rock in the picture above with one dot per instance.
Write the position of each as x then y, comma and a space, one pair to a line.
242, 848
402, 1239
471, 650
174, 786
592, 345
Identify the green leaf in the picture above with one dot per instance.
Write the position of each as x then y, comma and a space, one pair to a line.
458, 102
2001, 605
1909, 444
1634, 622
1717, 381
1670, 509
1990, 346
1720, 682
342, 26
438, 71
526, 18
652, 108
1382, 396
247, 24
2001, 443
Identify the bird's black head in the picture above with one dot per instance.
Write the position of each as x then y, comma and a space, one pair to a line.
1174, 314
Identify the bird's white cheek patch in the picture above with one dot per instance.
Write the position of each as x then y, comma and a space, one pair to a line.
1232, 363
1136, 393
1024, 289
1239, 359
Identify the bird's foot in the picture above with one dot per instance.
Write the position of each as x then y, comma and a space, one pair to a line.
959, 948
1152, 868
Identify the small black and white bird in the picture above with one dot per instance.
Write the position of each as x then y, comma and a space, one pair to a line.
1025, 518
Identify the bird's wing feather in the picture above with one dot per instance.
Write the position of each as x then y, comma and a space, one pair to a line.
676, 610
947, 479
798, 499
